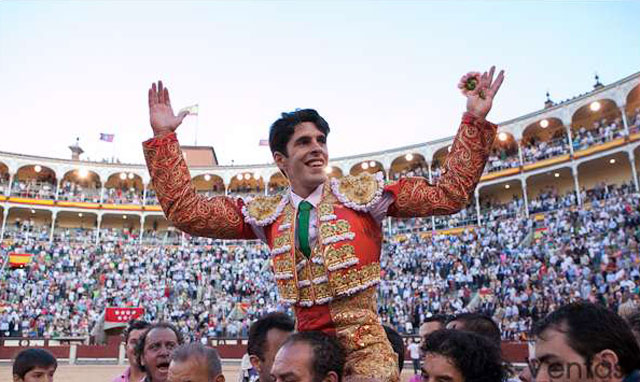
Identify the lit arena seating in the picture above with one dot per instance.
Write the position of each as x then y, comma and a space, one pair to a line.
555, 218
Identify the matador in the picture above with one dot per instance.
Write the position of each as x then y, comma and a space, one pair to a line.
325, 235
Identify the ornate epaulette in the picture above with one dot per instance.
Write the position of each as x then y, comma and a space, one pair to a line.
264, 210
359, 192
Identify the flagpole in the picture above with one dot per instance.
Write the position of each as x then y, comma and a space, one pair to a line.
197, 122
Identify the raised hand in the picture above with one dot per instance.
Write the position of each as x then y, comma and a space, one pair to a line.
480, 97
160, 112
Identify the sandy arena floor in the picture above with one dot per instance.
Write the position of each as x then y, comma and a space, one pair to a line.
100, 373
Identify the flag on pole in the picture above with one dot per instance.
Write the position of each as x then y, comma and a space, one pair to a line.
263, 142
193, 109
17, 260
107, 137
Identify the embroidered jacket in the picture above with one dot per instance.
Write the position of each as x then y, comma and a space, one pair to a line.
332, 289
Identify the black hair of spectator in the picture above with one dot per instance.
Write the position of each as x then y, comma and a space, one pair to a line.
328, 354
203, 354
282, 129
259, 330
396, 343
28, 359
591, 328
480, 324
134, 325
441, 318
476, 357
634, 323
143, 339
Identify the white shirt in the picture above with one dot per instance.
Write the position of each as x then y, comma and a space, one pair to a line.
414, 350
378, 211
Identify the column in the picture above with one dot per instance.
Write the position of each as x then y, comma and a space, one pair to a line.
142, 219
477, 196
574, 174
624, 121
8, 192
98, 229
59, 184
525, 196
430, 175
144, 194
53, 224
570, 140
520, 153
634, 173
5, 215
102, 191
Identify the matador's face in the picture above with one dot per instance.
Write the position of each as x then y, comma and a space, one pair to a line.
306, 160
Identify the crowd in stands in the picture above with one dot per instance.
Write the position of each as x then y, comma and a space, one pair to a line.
514, 268
123, 195
75, 192
602, 131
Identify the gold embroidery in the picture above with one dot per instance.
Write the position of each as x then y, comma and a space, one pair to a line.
369, 354
359, 189
280, 241
282, 263
352, 280
263, 207
340, 227
335, 258
288, 290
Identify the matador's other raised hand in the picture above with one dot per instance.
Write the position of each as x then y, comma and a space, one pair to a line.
160, 112
480, 89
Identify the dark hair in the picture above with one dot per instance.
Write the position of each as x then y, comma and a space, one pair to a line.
143, 339
441, 318
29, 359
480, 324
591, 328
282, 129
634, 324
201, 352
328, 354
259, 330
134, 325
396, 343
476, 357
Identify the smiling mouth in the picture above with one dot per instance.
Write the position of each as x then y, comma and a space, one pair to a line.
163, 367
315, 163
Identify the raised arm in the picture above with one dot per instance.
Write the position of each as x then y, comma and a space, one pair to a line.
218, 217
463, 166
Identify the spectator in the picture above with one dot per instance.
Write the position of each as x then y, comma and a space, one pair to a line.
131, 336
414, 352
153, 350
431, 324
266, 336
34, 365
309, 356
459, 356
477, 323
195, 362
581, 341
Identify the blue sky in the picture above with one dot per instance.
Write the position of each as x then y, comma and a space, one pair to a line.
383, 73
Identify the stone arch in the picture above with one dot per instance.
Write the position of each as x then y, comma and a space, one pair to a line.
409, 163
35, 181
80, 185
123, 188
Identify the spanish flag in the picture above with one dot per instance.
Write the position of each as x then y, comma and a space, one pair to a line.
17, 260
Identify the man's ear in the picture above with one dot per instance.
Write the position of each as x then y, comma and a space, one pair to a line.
220, 378
331, 376
255, 362
605, 365
281, 161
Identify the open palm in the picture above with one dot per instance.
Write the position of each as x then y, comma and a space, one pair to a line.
479, 102
160, 111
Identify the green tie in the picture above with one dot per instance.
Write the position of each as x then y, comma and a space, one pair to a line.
303, 227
